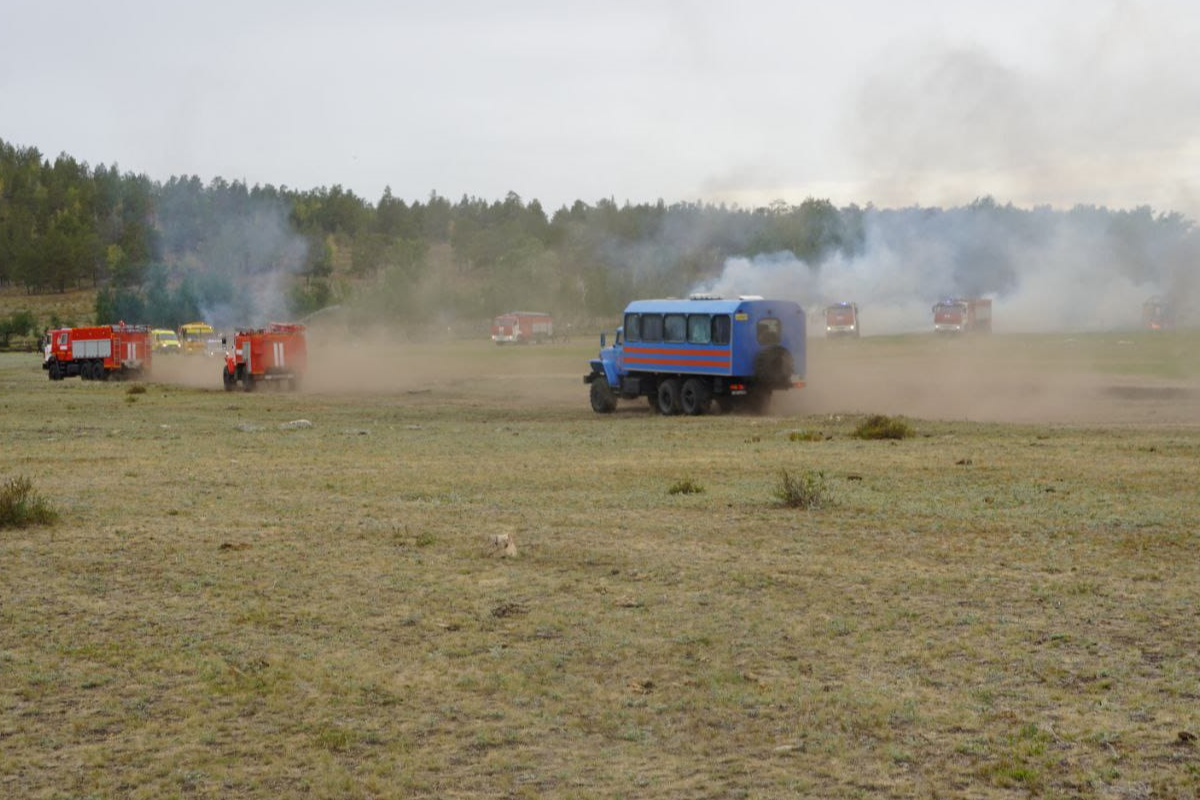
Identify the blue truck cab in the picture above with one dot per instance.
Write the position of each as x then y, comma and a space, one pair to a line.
686, 355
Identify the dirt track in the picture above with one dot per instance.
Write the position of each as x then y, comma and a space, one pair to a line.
997, 392
1017, 379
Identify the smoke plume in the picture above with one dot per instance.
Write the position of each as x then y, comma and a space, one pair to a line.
1046, 270
238, 244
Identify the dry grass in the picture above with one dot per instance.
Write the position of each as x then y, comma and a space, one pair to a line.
21, 506
805, 489
77, 306
881, 426
685, 486
314, 613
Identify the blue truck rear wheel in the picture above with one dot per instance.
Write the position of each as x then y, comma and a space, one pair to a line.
695, 397
668, 397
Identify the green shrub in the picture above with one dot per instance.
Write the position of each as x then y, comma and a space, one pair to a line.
806, 490
805, 436
881, 426
136, 388
21, 506
685, 486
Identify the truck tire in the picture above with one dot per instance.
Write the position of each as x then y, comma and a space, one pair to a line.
668, 397
602, 397
247, 381
229, 379
100, 372
695, 397
85, 370
55, 371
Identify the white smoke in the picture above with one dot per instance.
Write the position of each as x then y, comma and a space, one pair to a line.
1044, 270
238, 246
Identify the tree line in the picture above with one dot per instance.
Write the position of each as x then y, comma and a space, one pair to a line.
164, 252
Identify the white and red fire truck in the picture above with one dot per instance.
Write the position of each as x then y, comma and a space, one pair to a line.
98, 353
841, 319
275, 354
959, 315
522, 327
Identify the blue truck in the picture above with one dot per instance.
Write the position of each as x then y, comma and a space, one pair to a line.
686, 355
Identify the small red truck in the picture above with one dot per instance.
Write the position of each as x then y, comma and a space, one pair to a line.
841, 319
276, 353
959, 315
98, 353
1158, 314
522, 327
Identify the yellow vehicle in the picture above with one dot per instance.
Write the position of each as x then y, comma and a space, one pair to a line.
164, 340
196, 337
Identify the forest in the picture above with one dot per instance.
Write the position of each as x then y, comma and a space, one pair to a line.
162, 252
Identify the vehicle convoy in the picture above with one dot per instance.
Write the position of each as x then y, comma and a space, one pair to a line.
1158, 314
199, 339
959, 315
686, 355
841, 319
276, 354
98, 353
522, 327
164, 340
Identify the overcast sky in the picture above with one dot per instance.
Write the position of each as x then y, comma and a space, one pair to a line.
895, 103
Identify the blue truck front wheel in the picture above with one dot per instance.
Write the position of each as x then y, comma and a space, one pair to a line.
603, 399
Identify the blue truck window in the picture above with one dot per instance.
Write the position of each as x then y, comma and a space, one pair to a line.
652, 327
720, 329
770, 331
633, 331
674, 328
699, 328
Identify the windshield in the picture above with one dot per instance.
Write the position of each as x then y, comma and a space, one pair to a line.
197, 333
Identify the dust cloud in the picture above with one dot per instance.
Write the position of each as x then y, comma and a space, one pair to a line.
1020, 379
1003, 379
192, 371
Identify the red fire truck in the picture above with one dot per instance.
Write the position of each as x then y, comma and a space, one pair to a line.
98, 353
1158, 314
276, 353
522, 327
841, 319
958, 315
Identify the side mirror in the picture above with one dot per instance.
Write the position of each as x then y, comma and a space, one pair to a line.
223, 342
603, 341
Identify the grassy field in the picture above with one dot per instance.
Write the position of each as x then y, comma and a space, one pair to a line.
77, 306
229, 609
